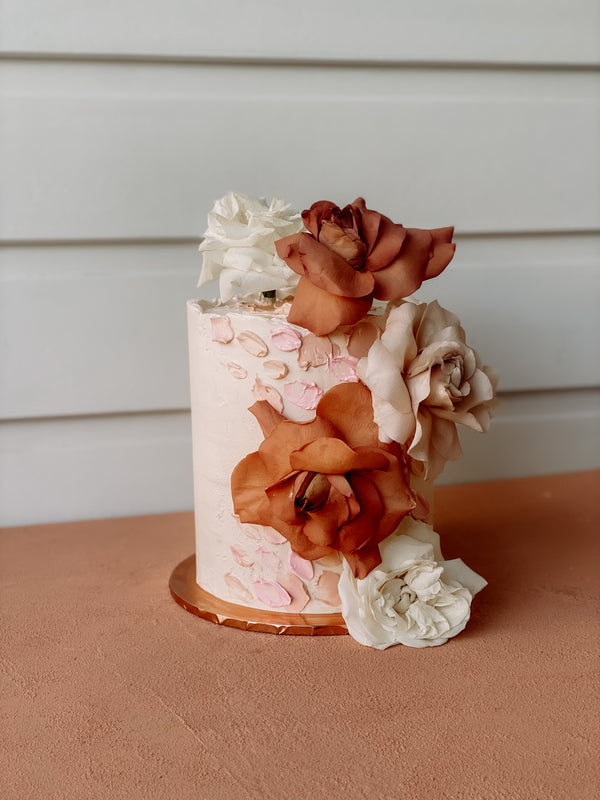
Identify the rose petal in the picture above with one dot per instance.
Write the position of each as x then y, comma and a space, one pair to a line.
316, 214
268, 417
361, 338
322, 312
333, 456
330, 271
349, 404
287, 437
397, 498
248, 481
443, 251
404, 275
359, 531
362, 562
287, 250
281, 499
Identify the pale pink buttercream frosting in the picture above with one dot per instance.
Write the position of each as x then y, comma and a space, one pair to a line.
271, 593
286, 339
221, 329
305, 394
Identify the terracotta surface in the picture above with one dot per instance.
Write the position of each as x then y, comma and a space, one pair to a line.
111, 690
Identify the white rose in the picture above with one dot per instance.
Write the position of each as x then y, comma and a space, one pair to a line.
239, 246
413, 597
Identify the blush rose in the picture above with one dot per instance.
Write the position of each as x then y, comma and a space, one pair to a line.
425, 380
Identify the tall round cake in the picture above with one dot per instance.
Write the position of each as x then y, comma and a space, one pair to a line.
325, 400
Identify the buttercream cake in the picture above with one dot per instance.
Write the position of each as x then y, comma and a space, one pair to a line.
325, 400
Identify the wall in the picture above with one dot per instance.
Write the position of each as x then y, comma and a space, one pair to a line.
123, 121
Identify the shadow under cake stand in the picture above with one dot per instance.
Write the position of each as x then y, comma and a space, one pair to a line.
196, 600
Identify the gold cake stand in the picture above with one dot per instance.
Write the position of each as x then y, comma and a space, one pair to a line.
190, 596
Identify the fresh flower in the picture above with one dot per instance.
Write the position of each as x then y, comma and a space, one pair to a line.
352, 255
239, 246
413, 597
425, 380
326, 485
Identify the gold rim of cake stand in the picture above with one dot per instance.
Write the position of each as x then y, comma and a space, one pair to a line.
198, 601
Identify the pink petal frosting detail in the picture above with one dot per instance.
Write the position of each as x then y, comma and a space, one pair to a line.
294, 586
263, 391
237, 588
344, 368
302, 567
221, 330
286, 339
240, 557
316, 351
327, 588
268, 558
249, 530
305, 394
271, 593
237, 370
272, 536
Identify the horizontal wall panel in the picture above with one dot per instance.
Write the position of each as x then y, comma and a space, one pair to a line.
95, 330
113, 151
90, 330
539, 31
85, 468
53, 470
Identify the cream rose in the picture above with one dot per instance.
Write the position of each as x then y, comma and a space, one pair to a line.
239, 246
413, 597
425, 380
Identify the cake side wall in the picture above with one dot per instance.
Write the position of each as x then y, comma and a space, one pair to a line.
234, 558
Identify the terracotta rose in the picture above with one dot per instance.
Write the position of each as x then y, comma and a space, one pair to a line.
326, 485
352, 255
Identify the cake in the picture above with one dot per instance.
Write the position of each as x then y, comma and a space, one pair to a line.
325, 400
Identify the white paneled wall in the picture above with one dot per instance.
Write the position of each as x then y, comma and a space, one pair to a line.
122, 122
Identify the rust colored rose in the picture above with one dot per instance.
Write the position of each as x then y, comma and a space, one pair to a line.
350, 256
326, 485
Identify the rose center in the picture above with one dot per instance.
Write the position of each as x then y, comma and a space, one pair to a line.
345, 242
312, 493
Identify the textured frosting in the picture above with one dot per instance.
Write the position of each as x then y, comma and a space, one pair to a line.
246, 563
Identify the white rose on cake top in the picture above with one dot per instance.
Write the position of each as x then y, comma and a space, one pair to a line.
239, 246
413, 597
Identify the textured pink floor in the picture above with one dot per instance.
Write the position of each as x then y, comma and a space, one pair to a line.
111, 690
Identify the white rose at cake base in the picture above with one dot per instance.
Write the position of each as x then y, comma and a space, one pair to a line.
324, 403
413, 598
